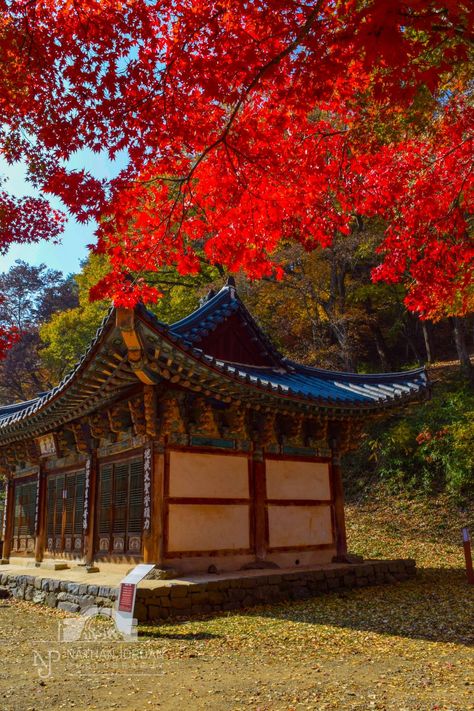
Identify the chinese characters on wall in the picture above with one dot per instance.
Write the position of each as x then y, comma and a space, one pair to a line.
147, 464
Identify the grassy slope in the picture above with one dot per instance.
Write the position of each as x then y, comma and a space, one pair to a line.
427, 528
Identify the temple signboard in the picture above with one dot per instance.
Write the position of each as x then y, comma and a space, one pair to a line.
47, 445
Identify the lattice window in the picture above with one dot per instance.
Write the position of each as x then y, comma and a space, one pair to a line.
120, 505
50, 506
79, 503
59, 504
105, 499
64, 505
25, 507
121, 478
69, 490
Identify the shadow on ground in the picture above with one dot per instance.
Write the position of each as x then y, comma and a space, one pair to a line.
437, 605
157, 633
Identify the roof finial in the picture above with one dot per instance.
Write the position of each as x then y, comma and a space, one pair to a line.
230, 281
210, 294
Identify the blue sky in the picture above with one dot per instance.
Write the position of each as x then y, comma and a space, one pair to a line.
66, 256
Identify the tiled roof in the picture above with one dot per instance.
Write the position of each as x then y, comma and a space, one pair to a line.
214, 311
334, 387
207, 317
290, 378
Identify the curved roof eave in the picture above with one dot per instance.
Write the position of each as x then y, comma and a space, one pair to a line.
289, 381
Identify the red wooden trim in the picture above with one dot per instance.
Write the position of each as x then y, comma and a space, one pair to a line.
299, 502
29, 555
214, 553
7, 543
24, 479
209, 450
157, 523
149, 538
333, 508
67, 555
297, 458
203, 501
41, 530
65, 470
134, 453
261, 513
89, 536
118, 558
339, 514
252, 508
166, 493
315, 547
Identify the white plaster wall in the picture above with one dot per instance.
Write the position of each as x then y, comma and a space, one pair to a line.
208, 476
208, 527
297, 480
299, 525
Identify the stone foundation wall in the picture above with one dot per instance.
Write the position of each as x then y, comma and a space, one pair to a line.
171, 599
71, 597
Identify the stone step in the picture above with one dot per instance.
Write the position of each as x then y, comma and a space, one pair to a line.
49, 564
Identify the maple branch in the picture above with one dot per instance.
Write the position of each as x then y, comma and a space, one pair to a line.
274, 61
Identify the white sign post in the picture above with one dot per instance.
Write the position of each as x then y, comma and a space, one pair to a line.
126, 600
466, 541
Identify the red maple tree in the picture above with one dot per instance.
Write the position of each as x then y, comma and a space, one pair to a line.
247, 124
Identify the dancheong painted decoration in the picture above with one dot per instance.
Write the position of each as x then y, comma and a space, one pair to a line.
188, 445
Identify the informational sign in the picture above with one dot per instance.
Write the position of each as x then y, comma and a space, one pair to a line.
127, 595
466, 542
126, 600
47, 445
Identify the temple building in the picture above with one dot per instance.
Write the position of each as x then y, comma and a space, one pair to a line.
188, 445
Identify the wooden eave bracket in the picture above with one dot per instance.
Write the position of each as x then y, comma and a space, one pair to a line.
126, 324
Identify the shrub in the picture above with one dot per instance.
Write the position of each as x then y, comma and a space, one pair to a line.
429, 447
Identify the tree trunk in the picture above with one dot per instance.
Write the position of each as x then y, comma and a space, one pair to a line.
410, 331
426, 328
341, 333
381, 347
379, 340
461, 347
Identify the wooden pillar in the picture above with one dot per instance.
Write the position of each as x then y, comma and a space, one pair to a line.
338, 497
8, 519
259, 505
90, 499
40, 516
153, 504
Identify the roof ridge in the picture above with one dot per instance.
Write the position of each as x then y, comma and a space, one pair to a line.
363, 376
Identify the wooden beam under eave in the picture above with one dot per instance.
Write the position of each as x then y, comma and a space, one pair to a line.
144, 377
125, 321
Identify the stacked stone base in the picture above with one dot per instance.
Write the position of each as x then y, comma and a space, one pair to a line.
71, 597
182, 598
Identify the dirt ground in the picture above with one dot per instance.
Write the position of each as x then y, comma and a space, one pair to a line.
402, 647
